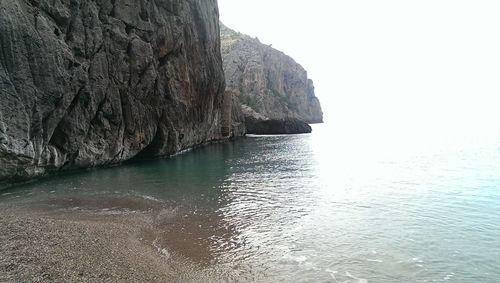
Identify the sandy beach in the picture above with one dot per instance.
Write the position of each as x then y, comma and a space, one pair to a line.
60, 241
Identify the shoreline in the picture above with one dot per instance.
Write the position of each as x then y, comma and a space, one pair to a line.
60, 241
13, 183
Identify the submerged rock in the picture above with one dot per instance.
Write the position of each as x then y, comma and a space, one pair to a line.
98, 82
269, 82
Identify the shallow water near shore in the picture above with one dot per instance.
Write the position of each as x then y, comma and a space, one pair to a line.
308, 208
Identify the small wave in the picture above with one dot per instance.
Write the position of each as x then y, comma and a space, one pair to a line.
416, 259
360, 280
182, 152
163, 251
146, 197
295, 259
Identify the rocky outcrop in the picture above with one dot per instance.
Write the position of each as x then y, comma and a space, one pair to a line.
96, 82
258, 124
268, 81
276, 126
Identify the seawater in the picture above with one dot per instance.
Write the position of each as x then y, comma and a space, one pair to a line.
322, 207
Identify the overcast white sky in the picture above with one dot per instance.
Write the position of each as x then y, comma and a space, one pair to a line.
391, 64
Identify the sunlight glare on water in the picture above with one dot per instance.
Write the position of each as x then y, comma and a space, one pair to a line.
331, 206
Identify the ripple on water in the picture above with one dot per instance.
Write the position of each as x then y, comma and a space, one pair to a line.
306, 209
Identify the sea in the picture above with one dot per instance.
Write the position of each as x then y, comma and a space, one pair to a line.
329, 206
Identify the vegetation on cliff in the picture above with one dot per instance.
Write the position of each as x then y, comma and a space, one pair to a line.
269, 82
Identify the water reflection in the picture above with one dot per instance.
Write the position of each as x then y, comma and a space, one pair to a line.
306, 208
217, 205
183, 195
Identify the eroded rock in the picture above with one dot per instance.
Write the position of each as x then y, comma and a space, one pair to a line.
269, 82
98, 82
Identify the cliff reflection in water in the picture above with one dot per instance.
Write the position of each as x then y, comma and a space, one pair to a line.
310, 207
183, 195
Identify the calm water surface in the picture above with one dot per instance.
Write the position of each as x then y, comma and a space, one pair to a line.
319, 207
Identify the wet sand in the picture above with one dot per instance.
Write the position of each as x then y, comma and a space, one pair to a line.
88, 239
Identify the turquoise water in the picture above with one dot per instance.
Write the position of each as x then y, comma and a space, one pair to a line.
320, 207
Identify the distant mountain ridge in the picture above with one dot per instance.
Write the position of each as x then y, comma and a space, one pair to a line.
267, 82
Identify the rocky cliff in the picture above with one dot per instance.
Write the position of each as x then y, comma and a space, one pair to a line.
268, 81
95, 82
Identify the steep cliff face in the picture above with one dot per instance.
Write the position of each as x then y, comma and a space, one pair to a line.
268, 81
95, 82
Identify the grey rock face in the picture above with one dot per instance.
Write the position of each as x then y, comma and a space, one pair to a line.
276, 126
268, 81
95, 82
259, 124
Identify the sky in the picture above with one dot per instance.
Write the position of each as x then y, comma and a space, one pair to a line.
426, 66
